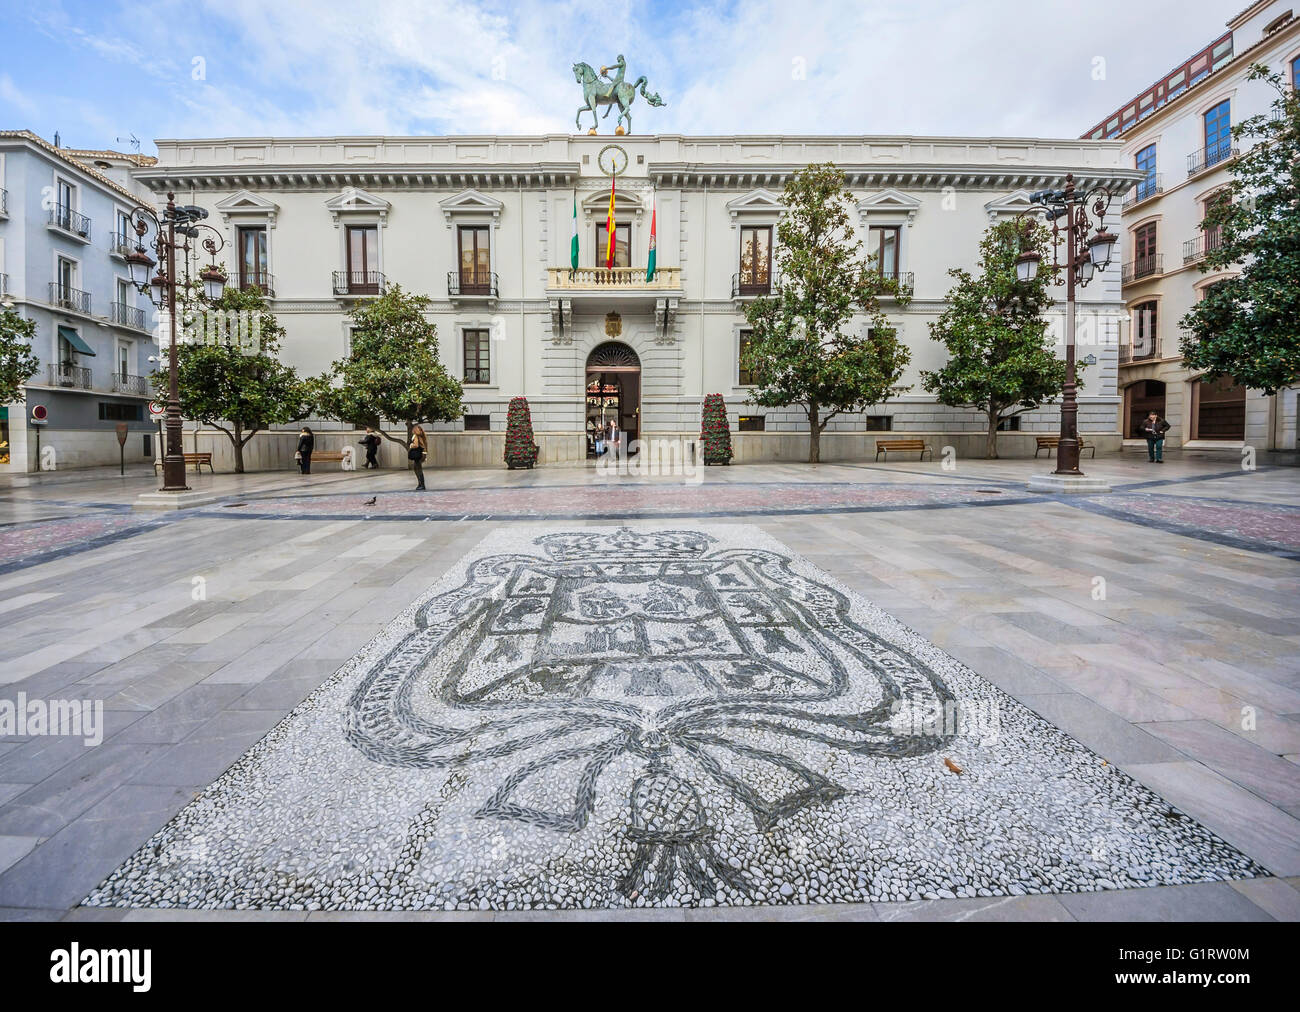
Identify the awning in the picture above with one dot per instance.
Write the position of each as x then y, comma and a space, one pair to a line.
74, 339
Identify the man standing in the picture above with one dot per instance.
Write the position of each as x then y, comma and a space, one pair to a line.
1153, 429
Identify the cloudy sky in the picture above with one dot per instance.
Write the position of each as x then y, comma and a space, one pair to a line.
104, 70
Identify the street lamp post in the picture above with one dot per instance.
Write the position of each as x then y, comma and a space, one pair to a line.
176, 221
1086, 253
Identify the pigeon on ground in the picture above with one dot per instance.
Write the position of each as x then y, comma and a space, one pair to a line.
370, 501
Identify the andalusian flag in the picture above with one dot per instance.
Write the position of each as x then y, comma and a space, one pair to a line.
573, 245
609, 226
654, 240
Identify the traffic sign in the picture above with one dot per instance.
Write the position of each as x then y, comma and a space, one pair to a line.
39, 415
156, 409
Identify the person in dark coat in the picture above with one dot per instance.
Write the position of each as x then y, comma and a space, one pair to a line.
415, 453
305, 442
1153, 429
371, 443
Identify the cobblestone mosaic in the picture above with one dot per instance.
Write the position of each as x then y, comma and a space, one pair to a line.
1270, 525
648, 715
27, 543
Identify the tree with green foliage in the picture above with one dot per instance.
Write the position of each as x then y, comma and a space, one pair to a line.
1001, 359
1247, 327
393, 371
806, 348
228, 372
18, 363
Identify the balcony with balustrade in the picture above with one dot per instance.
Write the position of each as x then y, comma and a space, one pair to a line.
120, 244
125, 383
4, 202
1206, 242
472, 286
65, 374
70, 223
1150, 266
1144, 189
4, 285
72, 299
262, 281
348, 283
1211, 155
126, 316
904, 279
1144, 348
747, 285
627, 284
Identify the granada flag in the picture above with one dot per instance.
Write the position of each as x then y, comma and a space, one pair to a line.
609, 226
654, 238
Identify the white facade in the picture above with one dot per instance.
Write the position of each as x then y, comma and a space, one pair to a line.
683, 327
1176, 141
61, 265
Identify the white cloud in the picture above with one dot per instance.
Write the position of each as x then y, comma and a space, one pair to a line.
457, 66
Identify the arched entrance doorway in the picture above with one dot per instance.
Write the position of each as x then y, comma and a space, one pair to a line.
1218, 409
1140, 399
613, 393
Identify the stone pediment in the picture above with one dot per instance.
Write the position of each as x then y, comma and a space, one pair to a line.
889, 204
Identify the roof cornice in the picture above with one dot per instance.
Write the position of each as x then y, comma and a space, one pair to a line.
903, 177
370, 177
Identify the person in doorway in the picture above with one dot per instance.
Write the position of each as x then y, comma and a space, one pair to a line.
1153, 429
415, 453
611, 436
303, 455
371, 443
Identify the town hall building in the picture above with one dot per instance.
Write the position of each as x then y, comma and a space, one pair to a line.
483, 225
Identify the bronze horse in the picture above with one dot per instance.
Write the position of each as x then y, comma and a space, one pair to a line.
609, 93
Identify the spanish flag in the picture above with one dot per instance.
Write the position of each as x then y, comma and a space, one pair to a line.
609, 225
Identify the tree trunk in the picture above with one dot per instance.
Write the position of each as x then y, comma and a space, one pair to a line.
991, 448
814, 434
237, 439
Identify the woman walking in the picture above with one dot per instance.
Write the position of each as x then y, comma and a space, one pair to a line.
303, 455
415, 453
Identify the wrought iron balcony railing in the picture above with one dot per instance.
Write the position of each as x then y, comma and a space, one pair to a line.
624, 279
904, 279
4, 284
69, 298
124, 383
1210, 155
263, 282
1195, 249
1140, 349
460, 283
359, 283
4, 200
1144, 189
119, 245
64, 217
127, 316
1142, 267
747, 284
65, 374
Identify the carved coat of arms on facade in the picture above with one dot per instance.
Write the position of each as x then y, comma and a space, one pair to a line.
646, 664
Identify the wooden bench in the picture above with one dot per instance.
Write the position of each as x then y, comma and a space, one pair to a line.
197, 459
904, 446
332, 456
1051, 443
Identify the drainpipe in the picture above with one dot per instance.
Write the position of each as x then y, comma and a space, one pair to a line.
704, 255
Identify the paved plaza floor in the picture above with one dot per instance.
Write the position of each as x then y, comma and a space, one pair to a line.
557, 694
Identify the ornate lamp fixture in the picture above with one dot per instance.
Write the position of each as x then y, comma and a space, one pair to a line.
1077, 219
171, 235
